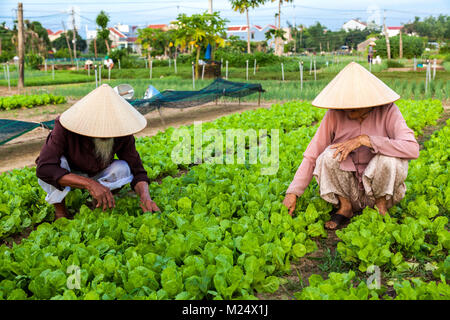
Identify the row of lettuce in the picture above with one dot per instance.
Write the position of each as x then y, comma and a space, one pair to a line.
222, 233
29, 101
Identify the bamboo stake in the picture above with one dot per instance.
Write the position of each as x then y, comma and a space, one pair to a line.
226, 70
246, 69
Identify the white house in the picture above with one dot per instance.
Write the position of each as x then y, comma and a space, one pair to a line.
121, 36
354, 24
257, 33
52, 36
393, 31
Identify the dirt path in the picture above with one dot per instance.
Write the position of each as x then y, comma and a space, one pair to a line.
23, 150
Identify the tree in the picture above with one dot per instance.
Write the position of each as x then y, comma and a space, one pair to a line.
434, 28
60, 43
103, 31
243, 6
152, 41
99, 47
199, 30
278, 40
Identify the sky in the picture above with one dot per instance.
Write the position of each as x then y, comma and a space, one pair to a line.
331, 13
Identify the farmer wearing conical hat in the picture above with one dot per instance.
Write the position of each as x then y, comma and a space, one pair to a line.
79, 152
359, 155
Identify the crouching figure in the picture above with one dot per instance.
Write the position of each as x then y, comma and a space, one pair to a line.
359, 155
79, 152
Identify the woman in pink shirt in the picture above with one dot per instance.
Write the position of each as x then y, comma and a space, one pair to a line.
359, 155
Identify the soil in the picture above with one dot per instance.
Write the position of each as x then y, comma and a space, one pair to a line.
23, 151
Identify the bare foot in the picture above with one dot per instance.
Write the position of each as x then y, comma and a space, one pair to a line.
345, 209
381, 204
61, 211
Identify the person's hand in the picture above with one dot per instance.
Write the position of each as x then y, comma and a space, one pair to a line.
102, 195
344, 148
148, 205
290, 201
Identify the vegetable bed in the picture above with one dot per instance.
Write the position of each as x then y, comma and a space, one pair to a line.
223, 232
29, 101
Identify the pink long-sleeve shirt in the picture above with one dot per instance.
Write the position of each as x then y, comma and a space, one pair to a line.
387, 131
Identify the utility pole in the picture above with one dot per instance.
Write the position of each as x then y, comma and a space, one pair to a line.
21, 47
388, 46
295, 28
210, 6
67, 41
74, 35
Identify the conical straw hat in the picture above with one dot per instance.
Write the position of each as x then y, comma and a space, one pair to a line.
103, 114
353, 88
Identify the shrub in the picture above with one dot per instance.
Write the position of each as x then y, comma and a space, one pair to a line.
412, 46
34, 60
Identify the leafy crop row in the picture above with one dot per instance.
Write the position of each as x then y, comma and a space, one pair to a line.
29, 101
222, 233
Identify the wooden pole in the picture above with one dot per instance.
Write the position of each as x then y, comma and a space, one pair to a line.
300, 65
67, 41
315, 78
254, 67
434, 68
175, 64
96, 77
226, 70
203, 71
161, 117
400, 54
246, 69
282, 71
151, 69
109, 73
74, 34
21, 47
9, 79
119, 64
388, 46
53, 71
193, 76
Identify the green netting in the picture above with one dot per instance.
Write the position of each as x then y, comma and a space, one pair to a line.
185, 99
10, 129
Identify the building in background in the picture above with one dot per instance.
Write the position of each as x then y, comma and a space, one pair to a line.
52, 36
121, 36
354, 24
393, 31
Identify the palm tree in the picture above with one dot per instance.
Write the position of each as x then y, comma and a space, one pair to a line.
280, 2
243, 6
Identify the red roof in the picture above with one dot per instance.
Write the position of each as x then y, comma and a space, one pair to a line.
395, 28
117, 32
57, 32
131, 39
157, 26
272, 26
257, 27
49, 32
